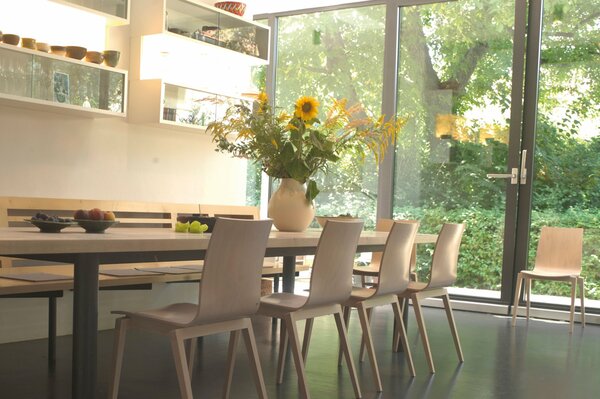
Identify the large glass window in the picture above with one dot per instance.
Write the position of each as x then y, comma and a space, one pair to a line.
336, 54
566, 187
454, 87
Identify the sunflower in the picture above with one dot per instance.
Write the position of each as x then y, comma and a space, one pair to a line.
262, 97
307, 108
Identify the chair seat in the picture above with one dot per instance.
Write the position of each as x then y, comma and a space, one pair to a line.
281, 301
416, 286
550, 275
177, 314
359, 293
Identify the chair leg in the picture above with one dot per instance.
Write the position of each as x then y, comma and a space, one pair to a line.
283, 346
192, 355
582, 298
367, 340
234, 337
363, 281
528, 290
306, 341
344, 339
402, 333
257, 373
361, 356
346, 313
51, 333
121, 326
516, 302
572, 315
178, 348
292, 331
452, 324
423, 332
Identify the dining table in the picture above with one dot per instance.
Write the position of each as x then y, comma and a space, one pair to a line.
86, 251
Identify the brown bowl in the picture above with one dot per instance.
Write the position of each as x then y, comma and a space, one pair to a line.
111, 57
58, 50
76, 52
323, 219
95, 57
28, 42
9, 38
45, 47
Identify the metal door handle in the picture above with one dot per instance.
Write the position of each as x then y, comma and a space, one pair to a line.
523, 167
513, 176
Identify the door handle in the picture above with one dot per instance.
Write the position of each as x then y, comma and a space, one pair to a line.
513, 176
523, 179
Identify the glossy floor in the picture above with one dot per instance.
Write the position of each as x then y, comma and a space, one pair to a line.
536, 360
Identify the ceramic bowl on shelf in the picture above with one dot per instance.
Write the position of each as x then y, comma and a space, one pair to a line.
45, 47
111, 57
95, 226
233, 7
9, 38
28, 42
76, 52
95, 57
47, 226
58, 50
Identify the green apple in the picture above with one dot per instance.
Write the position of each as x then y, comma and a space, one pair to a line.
197, 228
182, 227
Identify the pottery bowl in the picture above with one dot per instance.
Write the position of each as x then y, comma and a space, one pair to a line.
95, 57
76, 52
45, 47
28, 42
233, 7
111, 57
58, 50
9, 38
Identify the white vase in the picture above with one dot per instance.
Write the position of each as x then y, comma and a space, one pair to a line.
289, 208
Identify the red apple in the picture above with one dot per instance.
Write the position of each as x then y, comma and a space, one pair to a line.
109, 215
81, 215
96, 214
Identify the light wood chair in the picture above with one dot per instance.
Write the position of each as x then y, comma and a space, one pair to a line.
236, 248
393, 277
558, 258
330, 286
444, 265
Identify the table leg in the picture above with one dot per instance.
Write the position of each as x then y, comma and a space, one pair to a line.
85, 327
289, 273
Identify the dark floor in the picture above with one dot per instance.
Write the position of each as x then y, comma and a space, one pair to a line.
538, 360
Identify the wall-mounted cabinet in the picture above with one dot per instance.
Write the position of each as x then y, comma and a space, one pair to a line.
196, 22
116, 12
169, 105
48, 82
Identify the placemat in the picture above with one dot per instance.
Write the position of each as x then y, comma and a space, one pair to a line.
36, 277
165, 270
126, 272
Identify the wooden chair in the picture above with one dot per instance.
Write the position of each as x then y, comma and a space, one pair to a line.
393, 277
236, 248
444, 265
558, 258
330, 286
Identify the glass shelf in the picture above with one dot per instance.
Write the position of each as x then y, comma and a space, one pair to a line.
187, 107
46, 79
217, 27
116, 10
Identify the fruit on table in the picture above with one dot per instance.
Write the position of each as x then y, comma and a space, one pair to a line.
197, 227
81, 214
96, 214
109, 215
44, 217
182, 227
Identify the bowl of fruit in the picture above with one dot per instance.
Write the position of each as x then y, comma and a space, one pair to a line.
95, 220
49, 224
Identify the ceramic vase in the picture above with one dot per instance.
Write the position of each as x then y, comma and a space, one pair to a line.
289, 208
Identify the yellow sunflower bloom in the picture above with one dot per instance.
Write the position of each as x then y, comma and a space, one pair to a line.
262, 97
307, 108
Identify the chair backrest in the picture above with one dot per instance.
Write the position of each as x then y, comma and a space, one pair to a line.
444, 262
394, 270
559, 250
233, 211
331, 279
382, 225
230, 286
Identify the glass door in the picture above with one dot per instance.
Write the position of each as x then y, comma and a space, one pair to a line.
566, 169
459, 86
